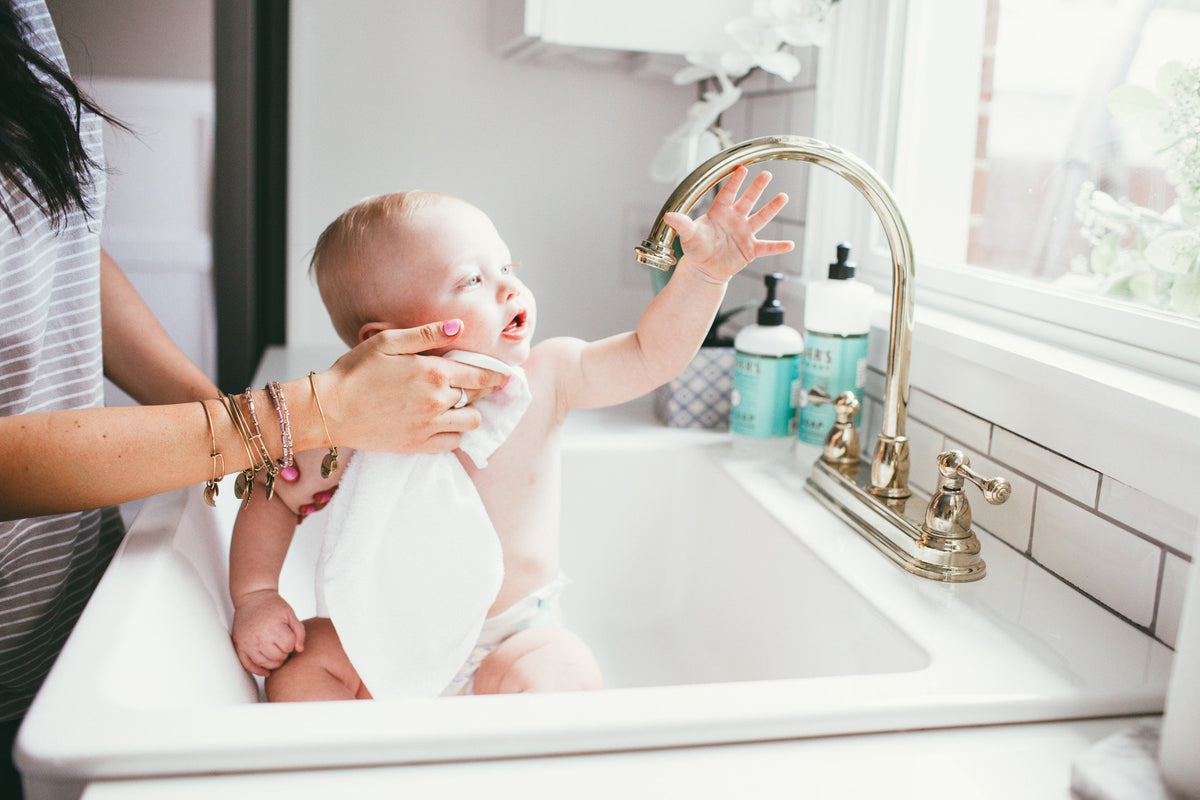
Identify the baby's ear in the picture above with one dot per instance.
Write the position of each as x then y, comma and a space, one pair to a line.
369, 329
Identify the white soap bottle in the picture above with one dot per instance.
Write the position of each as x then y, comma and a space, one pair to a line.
766, 377
837, 319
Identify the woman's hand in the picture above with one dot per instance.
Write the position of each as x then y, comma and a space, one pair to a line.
383, 395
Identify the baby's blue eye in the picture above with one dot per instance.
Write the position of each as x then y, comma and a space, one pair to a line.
507, 269
474, 280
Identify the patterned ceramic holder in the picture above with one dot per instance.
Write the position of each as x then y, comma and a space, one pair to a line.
699, 396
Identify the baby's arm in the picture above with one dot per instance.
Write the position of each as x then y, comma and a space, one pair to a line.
265, 628
715, 248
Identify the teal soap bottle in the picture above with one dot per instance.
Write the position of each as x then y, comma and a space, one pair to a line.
837, 319
766, 376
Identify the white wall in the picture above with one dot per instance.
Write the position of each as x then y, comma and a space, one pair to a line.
388, 96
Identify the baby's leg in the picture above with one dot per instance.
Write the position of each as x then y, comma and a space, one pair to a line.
321, 672
544, 658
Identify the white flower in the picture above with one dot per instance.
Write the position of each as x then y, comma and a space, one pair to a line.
694, 141
755, 42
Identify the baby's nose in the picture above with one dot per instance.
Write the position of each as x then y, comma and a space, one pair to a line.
509, 289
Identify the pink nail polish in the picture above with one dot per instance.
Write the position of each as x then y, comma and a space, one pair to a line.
452, 327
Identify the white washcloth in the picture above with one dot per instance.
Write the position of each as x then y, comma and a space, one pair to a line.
410, 562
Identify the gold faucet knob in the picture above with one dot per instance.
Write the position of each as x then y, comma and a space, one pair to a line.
955, 466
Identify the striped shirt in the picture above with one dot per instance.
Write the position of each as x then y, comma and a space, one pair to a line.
50, 359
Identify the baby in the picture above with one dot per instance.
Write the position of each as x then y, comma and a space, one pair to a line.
400, 260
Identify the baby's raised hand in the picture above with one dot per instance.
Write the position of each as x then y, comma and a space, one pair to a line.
265, 631
723, 241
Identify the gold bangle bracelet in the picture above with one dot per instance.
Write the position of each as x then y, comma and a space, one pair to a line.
243, 487
211, 488
263, 453
329, 463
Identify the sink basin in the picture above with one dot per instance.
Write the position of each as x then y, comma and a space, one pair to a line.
723, 602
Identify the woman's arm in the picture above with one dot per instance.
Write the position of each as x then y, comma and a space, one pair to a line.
139, 356
378, 396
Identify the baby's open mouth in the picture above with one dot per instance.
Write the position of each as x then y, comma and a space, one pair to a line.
517, 324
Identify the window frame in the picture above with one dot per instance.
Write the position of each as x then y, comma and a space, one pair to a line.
930, 169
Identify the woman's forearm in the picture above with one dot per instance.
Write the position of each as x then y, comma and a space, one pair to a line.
61, 461
139, 355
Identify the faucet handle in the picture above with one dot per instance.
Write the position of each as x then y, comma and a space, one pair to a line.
954, 467
841, 444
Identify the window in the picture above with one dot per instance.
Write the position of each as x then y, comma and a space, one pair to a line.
1030, 204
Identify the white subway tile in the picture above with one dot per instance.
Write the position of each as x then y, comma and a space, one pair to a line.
954, 422
924, 444
1160, 521
1011, 521
1045, 466
1107, 562
1170, 599
874, 385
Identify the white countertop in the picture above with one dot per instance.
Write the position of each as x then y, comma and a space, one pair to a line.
1031, 762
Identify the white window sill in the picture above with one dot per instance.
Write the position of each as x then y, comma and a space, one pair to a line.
1141, 430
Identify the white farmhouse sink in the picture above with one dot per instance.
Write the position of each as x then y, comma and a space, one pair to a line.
723, 603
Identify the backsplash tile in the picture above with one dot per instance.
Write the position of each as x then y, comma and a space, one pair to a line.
1077, 539
1071, 479
1101, 559
957, 424
1158, 520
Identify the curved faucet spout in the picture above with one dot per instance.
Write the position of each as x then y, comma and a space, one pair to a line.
889, 469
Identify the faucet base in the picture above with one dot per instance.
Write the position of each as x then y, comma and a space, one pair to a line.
886, 523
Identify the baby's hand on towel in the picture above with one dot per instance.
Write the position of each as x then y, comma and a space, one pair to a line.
265, 631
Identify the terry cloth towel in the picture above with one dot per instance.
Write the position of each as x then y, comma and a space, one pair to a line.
410, 562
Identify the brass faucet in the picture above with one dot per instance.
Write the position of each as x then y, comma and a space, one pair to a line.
873, 504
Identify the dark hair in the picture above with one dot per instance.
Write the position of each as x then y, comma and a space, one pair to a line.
40, 147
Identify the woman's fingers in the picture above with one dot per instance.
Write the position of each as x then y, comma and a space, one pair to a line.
410, 341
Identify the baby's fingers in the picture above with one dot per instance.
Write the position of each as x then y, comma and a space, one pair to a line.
682, 224
745, 203
251, 666
298, 631
772, 248
767, 213
729, 190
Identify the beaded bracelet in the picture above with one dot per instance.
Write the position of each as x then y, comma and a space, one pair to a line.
287, 469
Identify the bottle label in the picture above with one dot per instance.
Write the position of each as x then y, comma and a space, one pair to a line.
764, 395
835, 364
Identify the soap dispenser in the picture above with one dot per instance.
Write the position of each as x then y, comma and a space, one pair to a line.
837, 319
766, 377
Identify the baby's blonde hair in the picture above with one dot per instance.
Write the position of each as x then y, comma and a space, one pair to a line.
339, 263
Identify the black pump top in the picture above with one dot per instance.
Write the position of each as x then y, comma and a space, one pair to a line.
771, 312
842, 271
